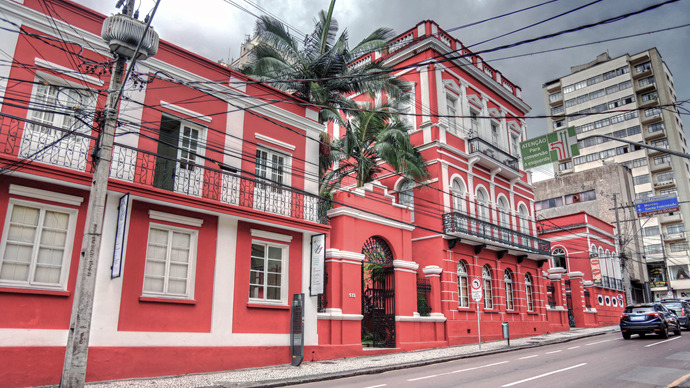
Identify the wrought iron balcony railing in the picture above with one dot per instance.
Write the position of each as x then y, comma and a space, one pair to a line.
479, 145
71, 150
459, 223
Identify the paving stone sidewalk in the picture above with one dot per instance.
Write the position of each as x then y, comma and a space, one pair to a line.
281, 375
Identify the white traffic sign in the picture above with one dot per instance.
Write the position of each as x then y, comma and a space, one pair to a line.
476, 290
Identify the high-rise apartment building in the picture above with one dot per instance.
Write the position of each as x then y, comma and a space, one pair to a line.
632, 97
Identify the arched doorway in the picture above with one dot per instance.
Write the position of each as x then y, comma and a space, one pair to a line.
378, 294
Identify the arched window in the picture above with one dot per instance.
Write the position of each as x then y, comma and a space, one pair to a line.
458, 192
488, 294
558, 257
463, 291
406, 193
503, 213
529, 292
604, 264
482, 205
508, 280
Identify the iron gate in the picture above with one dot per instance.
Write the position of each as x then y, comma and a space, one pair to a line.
569, 302
378, 294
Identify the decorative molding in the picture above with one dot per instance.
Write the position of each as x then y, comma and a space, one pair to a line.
335, 314
404, 264
270, 235
358, 214
433, 317
576, 274
557, 308
184, 220
68, 72
185, 111
31, 192
338, 254
274, 141
432, 270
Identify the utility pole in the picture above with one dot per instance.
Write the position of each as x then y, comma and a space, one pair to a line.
76, 352
623, 257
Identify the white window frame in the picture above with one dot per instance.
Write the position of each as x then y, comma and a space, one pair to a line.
270, 196
67, 254
284, 275
458, 196
191, 270
509, 289
529, 292
463, 285
452, 110
487, 283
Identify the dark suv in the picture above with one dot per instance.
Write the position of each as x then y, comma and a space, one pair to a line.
682, 310
648, 318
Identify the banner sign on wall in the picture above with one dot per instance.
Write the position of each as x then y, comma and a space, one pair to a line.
549, 148
318, 269
116, 269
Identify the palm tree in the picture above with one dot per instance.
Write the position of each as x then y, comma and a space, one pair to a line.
318, 71
373, 134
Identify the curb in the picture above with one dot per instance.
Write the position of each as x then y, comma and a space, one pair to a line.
413, 364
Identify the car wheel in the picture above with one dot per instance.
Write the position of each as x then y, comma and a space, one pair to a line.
677, 330
626, 335
664, 332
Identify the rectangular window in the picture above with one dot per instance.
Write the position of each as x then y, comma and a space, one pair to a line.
678, 247
179, 157
651, 231
452, 112
555, 96
643, 67
642, 179
36, 245
651, 249
170, 259
268, 273
653, 96
677, 228
557, 110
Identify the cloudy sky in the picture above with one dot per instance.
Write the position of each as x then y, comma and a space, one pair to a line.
216, 28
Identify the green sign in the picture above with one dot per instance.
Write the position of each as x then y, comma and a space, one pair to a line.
549, 148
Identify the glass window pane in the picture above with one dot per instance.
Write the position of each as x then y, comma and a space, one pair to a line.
257, 250
153, 284
274, 265
275, 253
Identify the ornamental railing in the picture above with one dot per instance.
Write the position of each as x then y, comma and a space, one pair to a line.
479, 145
459, 223
72, 150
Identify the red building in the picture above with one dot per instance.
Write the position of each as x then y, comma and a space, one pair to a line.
583, 247
213, 203
219, 210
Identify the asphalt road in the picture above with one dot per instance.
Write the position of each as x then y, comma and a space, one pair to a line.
603, 361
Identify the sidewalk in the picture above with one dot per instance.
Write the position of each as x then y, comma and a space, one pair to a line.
280, 375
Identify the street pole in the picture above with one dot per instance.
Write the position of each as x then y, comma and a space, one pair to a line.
623, 257
76, 352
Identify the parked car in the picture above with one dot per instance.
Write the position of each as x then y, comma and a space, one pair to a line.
682, 310
647, 318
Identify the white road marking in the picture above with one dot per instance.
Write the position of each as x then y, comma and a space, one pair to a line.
544, 375
600, 342
661, 342
458, 371
376, 386
555, 351
574, 347
422, 378
526, 357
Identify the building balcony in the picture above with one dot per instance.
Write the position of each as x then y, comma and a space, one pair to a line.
493, 158
669, 237
663, 184
647, 104
651, 119
654, 134
553, 87
62, 153
645, 87
669, 218
477, 232
644, 73
654, 152
660, 167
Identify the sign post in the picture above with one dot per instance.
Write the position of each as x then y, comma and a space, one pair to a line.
477, 296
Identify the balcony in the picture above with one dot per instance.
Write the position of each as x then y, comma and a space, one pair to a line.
668, 237
669, 218
475, 231
62, 151
647, 86
658, 167
645, 72
649, 103
665, 183
653, 152
652, 118
493, 158
654, 134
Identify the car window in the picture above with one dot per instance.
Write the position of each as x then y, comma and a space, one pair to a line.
675, 306
639, 309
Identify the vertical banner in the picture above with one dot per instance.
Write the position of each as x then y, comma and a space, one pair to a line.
116, 268
297, 329
596, 269
318, 269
